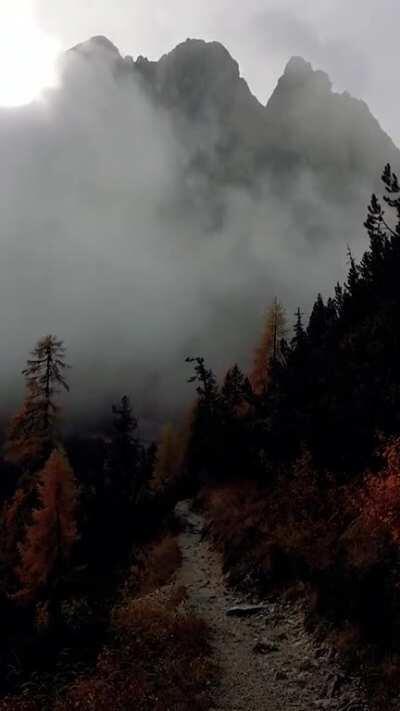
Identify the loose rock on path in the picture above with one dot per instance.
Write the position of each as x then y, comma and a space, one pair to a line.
268, 662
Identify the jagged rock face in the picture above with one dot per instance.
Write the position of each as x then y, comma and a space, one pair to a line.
100, 50
305, 125
327, 131
200, 83
310, 147
201, 78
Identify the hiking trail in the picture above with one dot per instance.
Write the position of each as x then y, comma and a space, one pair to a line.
267, 659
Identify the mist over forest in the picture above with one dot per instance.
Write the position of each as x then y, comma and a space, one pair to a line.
152, 210
200, 362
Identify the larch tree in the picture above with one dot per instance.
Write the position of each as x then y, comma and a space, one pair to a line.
169, 458
12, 527
45, 378
32, 432
46, 548
25, 443
270, 349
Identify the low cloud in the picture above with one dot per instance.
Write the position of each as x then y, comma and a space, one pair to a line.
115, 241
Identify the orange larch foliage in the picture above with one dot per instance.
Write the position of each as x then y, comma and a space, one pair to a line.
269, 347
379, 500
171, 454
49, 539
12, 525
25, 443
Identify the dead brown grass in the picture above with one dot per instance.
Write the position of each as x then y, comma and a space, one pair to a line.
162, 561
159, 660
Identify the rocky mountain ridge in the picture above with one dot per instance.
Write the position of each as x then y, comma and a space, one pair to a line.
305, 124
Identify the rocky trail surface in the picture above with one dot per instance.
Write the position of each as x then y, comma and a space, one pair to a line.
268, 662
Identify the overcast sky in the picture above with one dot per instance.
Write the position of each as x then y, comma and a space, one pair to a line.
356, 43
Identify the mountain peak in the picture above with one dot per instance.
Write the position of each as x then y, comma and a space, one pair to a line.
96, 44
300, 73
207, 59
199, 82
101, 41
299, 83
298, 66
197, 76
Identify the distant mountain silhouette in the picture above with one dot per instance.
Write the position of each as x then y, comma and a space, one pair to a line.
304, 124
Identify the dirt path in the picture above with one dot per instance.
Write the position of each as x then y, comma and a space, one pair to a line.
288, 672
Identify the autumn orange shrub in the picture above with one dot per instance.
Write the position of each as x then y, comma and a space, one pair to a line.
341, 540
289, 526
373, 535
379, 499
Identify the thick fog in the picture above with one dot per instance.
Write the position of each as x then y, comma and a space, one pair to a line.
112, 240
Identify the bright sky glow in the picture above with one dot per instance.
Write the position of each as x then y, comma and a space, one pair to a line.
27, 55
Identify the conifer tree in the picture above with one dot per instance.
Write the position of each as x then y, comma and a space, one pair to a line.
353, 276
236, 397
372, 263
207, 388
12, 529
234, 391
205, 444
32, 432
26, 442
271, 349
45, 378
123, 464
339, 299
330, 313
46, 549
318, 321
299, 334
124, 431
392, 197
